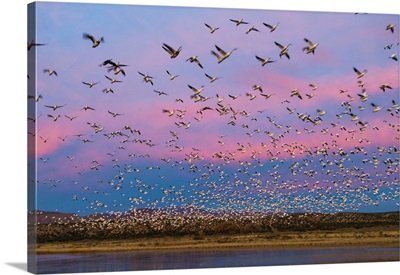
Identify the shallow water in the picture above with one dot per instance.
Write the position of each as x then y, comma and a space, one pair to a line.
156, 260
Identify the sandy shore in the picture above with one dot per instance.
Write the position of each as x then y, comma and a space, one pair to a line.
373, 236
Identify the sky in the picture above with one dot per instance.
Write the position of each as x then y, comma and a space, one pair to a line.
14, 117
235, 149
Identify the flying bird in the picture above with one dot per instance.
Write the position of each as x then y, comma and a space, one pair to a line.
94, 41
35, 98
252, 28
264, 61
272, 28
54, 107
50, 72
311, 46
212, 29
238, 22
390, 27
394, 57
171, 76
284, 50
90, 84
172, 52
222, 55
112, 80
212, 79
114, 114
296, 92
195, 60
359, 74
383, 87
31, 43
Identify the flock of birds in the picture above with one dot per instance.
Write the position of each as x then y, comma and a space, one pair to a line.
271, 172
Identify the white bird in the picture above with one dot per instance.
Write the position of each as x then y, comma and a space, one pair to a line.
212, 79
31, 43
35, 98
252, 28
296, 92
284, 50
171, 76
272, 28
114, 114
222, 55
112, 80
54, 107
50, 72
264, 61
108, 90
94, 41
172, 52
311, 46
394, 57
169, 112
383, 87
212, 29
196, 91
238, 22
359, 74
91, 84
376, 107
390, 27
363, 96
195, 60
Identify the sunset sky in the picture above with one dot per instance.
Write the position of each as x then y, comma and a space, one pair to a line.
255, 155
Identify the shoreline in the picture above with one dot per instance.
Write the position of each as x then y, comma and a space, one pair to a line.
372, 237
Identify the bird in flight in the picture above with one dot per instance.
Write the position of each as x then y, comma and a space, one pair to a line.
35, 98
212, 78
171, 76
311, 46
212, 29
172, 52
284, 50
264, 61
54, 107
238, 22
94, 41
31, 43
390, 27
90, 84
272, 28
112, 80
114, 114
359, 74
222, 55
252, 28
50, 72
195, 60
295, 92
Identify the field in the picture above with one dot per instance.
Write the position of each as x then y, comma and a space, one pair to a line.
291, 231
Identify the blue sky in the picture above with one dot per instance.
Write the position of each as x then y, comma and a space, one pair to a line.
134, 35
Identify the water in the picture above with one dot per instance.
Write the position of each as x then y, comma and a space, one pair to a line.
157, 260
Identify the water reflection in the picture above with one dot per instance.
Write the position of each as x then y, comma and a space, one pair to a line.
156, 260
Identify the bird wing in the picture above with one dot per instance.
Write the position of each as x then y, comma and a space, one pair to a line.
279, 45
233, 20
220, 50
357, 71
259, 58
216, 54
267, 25
109, 78
309, 42
208, 26
168, 48
88, 36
